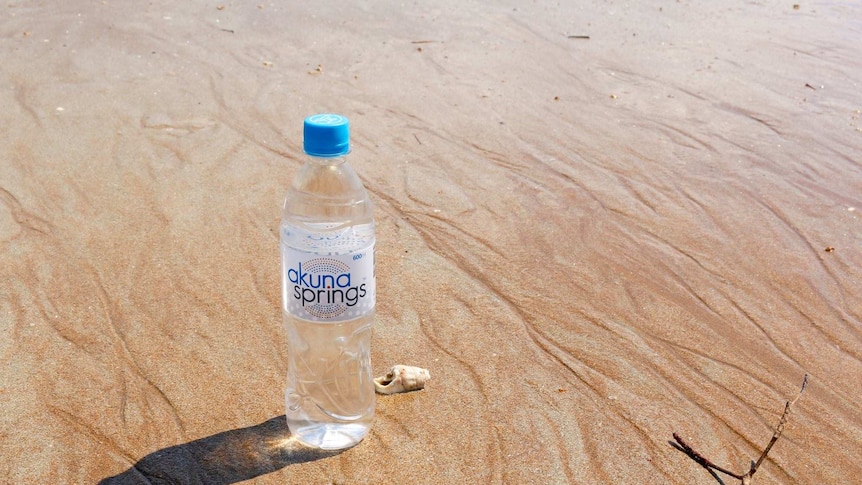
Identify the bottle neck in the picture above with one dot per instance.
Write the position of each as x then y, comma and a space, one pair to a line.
327, 161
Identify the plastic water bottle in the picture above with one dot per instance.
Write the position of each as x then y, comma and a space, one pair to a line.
328, 292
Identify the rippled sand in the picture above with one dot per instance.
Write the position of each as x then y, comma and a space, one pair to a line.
590, 242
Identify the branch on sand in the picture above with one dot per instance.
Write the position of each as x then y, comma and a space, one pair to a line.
744, 479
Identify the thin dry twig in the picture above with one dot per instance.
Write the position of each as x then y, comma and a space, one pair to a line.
700, 459
780, 428
745, 479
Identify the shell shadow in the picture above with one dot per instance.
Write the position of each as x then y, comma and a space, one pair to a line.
224, 458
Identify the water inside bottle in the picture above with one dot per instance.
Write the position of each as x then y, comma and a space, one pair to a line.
330, 392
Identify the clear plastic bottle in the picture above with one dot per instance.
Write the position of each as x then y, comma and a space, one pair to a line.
328, 292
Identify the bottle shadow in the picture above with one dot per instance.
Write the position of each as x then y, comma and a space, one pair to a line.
228, 457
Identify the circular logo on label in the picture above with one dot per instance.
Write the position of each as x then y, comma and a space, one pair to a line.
331, 302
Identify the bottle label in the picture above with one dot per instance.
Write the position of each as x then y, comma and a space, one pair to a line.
328, 288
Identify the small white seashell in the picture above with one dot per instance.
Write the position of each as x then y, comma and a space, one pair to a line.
402, 378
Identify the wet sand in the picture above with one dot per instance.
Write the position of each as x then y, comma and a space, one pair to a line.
590, 242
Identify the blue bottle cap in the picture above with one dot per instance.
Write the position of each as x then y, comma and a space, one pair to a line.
326, 135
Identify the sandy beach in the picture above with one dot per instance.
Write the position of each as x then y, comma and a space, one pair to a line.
598, 223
